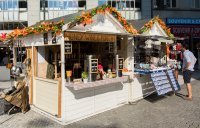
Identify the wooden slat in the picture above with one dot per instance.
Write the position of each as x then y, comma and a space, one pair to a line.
30, 75
35, 60
59, 97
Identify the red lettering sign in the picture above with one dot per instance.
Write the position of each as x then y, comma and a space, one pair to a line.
184, 31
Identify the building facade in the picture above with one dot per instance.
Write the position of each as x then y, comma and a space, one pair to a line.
20, 13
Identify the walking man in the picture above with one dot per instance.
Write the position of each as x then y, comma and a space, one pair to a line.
189, 61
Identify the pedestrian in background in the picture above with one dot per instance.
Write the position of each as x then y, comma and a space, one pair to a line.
189, 61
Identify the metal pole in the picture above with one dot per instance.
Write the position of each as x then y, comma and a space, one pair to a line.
89, 68
117, 65
116, 59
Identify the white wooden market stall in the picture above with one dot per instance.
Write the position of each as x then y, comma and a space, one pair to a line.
65, 102
154, 32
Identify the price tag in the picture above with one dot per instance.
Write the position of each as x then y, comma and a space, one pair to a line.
94, 65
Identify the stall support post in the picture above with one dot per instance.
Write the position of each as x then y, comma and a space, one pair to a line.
116, 59
61, 89
14, 56
55, 59
89, 69
117, 65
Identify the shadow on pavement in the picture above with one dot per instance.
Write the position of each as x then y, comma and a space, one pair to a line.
154, 98
180, 95
39, 122
94, 126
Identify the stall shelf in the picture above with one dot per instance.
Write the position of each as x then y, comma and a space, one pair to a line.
148, 71
105, 82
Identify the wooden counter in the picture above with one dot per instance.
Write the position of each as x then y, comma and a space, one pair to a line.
96, 83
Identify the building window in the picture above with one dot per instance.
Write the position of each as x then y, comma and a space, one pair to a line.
23, 4
82, 4
13, 25
43, 3
137, 3
9, 5
164, 4
62, 4
196, 3
122, 4
102, 2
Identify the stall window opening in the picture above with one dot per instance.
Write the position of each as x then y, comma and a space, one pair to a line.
48, 65
102, 56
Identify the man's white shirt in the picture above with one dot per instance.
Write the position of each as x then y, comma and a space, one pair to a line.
188, 57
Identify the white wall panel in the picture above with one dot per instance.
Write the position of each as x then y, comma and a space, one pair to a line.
83, 103
45, 95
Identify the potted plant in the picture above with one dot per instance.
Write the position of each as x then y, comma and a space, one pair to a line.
84, 76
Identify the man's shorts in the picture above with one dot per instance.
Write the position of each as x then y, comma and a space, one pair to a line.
187, 74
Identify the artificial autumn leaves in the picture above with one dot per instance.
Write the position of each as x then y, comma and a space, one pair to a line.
43, 27
150, 24
86, 18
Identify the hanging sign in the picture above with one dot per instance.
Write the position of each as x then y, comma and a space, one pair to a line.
92, 37
45, 37
53, 35
68, 48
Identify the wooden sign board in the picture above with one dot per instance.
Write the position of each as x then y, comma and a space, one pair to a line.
91, 37
94, 65
77, 81
68, 48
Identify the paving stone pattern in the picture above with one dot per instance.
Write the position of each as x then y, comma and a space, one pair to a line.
153, 112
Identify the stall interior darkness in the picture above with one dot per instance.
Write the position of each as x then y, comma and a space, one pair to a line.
80, 50
5, 55
145, 55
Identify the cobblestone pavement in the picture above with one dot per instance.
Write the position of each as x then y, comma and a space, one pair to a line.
152, 112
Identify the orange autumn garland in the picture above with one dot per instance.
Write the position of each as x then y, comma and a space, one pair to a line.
43, 27
150, 24
86, 18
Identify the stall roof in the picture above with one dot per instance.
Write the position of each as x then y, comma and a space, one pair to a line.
75, 21
105, 23
66, 18
156, 26
101, 19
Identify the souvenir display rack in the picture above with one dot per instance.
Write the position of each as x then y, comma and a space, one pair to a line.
173, 80
161, 82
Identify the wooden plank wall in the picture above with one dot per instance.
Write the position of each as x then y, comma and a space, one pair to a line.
86, 102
